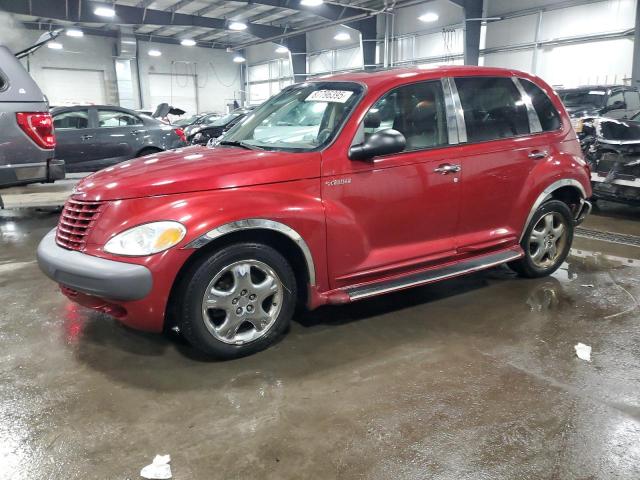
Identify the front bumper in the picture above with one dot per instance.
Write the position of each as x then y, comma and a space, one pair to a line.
93, 275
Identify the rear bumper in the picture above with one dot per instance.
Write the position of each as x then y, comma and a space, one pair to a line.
23, 174
91, 275
585, 209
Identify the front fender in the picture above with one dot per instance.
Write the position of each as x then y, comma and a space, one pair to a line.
297, 205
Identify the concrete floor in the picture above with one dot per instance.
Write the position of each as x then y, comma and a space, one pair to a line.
474, 378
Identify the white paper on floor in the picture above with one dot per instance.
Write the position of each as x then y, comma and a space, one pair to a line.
583, 351
159, 468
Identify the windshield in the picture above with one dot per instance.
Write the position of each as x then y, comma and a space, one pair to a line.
181, 122
302, 117
583, 98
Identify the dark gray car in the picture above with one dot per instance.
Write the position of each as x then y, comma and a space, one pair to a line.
26, 133
93, 137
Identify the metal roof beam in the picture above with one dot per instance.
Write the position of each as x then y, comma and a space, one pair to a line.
82, 11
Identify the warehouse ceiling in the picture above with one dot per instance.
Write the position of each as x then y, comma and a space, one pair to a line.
205, 21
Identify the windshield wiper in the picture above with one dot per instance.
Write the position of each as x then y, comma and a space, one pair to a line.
235, 143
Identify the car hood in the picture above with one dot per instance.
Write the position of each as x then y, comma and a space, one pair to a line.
194, 169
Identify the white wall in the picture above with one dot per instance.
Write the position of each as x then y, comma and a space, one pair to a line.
86, 53
218, 77
568, 51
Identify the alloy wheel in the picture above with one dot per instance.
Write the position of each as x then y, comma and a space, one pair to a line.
242, 302
547, 240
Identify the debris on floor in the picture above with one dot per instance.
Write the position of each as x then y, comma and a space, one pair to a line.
587, 285
159, 469
583, 351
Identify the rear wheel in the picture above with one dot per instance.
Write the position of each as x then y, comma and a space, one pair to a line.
547, 240
238, 300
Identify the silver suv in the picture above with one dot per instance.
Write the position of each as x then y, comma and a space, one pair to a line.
27, 139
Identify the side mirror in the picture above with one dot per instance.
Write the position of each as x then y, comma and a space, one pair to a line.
384, 142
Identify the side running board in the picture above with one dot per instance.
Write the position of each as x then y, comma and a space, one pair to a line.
434, 275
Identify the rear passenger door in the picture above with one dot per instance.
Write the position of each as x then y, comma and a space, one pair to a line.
497, 160
119, 135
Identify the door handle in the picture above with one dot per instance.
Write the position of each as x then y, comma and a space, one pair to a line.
447, 168
136, 132
538, 154
86, 137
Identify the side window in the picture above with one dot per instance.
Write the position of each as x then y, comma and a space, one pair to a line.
492, 108
632, 99
72, 120
115, 118
417, 111
615, 97
3, 82
547, 113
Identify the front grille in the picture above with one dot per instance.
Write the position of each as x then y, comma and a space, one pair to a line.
76, 220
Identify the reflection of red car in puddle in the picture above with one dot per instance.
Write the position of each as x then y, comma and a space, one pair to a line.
409, 177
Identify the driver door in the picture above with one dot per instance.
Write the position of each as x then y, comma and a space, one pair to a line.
394, 213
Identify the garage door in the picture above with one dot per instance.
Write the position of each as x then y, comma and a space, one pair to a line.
66, 86
177, 90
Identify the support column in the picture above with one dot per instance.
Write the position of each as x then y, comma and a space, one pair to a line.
635, 69
472, 10
298, 49
368, 33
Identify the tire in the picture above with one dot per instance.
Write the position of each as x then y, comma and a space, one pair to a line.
148, 151
225, 308
540, 257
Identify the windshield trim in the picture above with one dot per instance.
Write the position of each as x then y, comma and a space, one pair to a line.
320, 148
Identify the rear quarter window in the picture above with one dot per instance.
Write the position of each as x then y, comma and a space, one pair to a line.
493, 108
547, 113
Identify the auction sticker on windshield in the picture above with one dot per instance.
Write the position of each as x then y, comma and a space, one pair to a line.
335, 96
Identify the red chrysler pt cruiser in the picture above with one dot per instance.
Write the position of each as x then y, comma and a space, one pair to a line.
332, 191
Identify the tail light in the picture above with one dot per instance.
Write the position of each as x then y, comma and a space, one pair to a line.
39, 127
181, 134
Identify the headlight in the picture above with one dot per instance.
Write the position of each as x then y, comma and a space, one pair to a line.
146, 239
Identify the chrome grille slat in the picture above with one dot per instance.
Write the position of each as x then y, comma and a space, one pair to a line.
75, 222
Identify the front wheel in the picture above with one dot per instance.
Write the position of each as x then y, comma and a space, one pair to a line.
546, 241
237, 301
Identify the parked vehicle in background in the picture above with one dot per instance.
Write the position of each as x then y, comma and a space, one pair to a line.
197, 119
202, 133
614, 101
97, 136
208, 120
27, 138
612, 149
409, 177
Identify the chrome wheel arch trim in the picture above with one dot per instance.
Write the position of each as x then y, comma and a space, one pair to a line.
259, 224
546, 194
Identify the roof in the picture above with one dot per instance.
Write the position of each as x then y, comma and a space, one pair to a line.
379, 77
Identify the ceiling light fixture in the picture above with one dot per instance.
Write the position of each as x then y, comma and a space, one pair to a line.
54, 45
105, 12
74, 32
282, 49
342, 36
154, 53
311, 3
237, 26
239, 59
188, 42
429, 17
